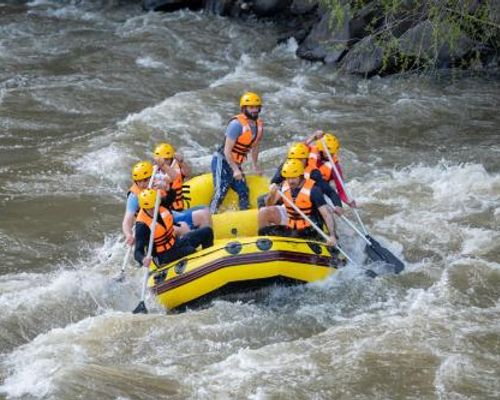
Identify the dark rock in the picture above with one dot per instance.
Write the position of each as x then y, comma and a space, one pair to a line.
267, 8
365, 58
300, 7
417, 41
364, 21
170, 5
445, 48
297, 27
218, 7
326, 41
495, 12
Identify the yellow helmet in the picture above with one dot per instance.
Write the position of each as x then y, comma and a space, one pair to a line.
250, 99
142, 170
147, 198
164, 150
292, 169
298, 151
331, 141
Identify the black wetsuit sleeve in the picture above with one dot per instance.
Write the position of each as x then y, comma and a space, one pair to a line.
317, 197
326, 188
141, 241
277, 178
167, 200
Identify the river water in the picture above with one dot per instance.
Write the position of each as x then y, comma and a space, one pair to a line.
88, 88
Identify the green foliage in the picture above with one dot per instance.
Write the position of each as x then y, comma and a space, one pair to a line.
461, 30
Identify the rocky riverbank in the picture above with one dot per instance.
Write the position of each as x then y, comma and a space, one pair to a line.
373, 39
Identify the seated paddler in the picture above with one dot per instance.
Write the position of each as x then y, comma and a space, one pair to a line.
306, 196
173, 170
300, 151
168, 245
318, 159
141, 175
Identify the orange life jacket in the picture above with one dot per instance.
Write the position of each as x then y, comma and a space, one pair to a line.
302, 201
134, 189
245, 141
307, 171
164, 237
178, 204
314, 161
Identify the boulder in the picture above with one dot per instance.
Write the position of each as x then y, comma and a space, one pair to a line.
268, 8
219, 7
422, 42
301, 7
365, 58
327, 41
170, 5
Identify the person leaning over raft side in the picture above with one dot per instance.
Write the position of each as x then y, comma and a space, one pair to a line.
307, 197
141, 174
167, 247
174, 173
243, 135
319, 159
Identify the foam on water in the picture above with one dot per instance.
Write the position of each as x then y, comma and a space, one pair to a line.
430, 206
149, 62
68, 294
109, 162
428, 332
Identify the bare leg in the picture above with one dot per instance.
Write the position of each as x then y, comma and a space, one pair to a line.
269, 216
202, 218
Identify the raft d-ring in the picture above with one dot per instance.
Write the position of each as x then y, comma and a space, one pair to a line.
160, 277
233, 248
264, 244
315, 247
180, 267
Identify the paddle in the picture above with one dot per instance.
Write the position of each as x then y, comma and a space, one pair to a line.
316, 227
141, 307
374, 250
121, 275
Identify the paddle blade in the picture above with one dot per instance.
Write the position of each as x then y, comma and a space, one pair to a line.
376, 252
140, 309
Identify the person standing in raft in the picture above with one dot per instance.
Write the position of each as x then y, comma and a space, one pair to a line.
243, 135
173, 170
167, 246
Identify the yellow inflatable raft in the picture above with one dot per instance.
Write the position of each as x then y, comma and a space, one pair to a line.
240, 260
239, 265
198, 191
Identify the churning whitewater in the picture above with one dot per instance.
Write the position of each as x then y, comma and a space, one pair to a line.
87, 89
